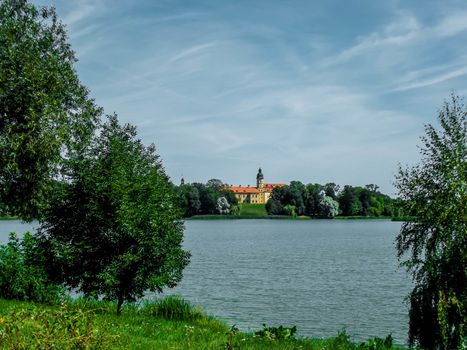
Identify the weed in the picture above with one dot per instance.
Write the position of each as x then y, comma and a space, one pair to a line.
276, 333
230, 344
58, 328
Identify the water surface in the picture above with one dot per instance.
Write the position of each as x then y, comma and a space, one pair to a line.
321, 275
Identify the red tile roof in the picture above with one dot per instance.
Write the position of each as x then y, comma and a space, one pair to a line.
246, 190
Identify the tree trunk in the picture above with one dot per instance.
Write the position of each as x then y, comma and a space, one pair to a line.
121, 299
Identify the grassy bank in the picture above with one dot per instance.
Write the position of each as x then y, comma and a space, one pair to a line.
8, 218
363, 218
247, 209
240, 217
169, 323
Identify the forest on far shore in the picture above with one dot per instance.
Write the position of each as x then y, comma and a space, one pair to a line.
295, 199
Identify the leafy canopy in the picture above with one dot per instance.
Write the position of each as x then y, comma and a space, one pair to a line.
45, 112
433, 246
114, 230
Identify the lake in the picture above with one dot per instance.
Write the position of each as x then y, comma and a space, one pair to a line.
320, 275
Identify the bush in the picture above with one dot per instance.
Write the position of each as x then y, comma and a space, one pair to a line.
276, 333
173, 308
342, 342
62, 328
21, 278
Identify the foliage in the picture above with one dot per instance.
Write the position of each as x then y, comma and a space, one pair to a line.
45, 112
276, 333
289, 210
172, 308
114, 229
188, 200
377, 344
328, 200
202, 199
331, 190
62, 328
342, 342
223, 206
285, 198
349, 202
274, 207
21, 277
433, 245
230, 344
328, 207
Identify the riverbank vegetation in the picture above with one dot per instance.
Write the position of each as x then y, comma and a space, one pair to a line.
169, 323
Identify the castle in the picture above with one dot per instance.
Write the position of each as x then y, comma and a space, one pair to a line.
258, 195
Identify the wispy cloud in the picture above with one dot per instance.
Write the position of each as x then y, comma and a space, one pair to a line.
433, 80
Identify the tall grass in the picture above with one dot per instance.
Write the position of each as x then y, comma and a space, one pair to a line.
65, 327
172, 308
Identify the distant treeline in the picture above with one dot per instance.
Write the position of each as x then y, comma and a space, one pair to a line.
296, 199
210, 198
329, 200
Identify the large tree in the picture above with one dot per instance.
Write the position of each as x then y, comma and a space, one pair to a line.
433, 246
114, 229
45, 112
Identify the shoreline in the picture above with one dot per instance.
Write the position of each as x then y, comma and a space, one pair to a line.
169, 322
285, 217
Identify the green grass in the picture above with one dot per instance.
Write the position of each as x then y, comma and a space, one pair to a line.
363, 217
169, 323
258, 210
8, 218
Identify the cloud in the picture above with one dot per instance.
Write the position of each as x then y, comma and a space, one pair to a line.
191, 51
404, 33
433, 80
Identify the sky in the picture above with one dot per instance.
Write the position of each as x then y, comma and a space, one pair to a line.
315, 91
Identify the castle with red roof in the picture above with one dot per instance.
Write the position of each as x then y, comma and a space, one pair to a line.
257, 195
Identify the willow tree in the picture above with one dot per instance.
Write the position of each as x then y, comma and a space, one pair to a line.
433, 245
45, 112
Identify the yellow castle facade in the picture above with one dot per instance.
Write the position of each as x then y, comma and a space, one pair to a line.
256, 195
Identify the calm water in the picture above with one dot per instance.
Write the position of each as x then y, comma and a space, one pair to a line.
318, 275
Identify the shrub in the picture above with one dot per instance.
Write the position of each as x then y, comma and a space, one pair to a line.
276, 333
21, 278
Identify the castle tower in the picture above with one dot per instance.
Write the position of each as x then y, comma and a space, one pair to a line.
260, 180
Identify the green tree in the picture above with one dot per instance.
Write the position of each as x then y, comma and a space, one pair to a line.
45, 112
312, 199
348, 201
328, 207
295, 196
331, 190
115, 230
189, 199
433, 246
364, 196
274, 207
